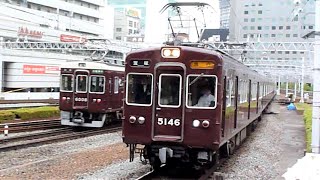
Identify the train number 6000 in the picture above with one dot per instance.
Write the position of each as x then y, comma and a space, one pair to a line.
171, 122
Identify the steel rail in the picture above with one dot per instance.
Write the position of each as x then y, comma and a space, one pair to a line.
60, 137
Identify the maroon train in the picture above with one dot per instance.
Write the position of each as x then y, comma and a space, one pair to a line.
189, 104
91, 93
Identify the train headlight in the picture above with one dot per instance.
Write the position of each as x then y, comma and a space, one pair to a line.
170, 52
196, 123
64, 98
205, 124
141, 120
132, 119
98, 100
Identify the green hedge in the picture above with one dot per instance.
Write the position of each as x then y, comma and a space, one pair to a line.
307, 117
31, 113
6, 115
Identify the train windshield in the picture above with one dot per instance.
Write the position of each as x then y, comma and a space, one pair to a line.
82, 83
202, 91
139, 89
170, 90
97, 84
66, 82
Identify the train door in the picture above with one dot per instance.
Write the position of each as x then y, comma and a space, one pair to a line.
169, 103
80, 100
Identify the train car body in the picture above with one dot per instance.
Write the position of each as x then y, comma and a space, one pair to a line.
166, 110
91, 93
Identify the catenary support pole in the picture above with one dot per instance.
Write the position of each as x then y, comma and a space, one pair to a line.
279, 84
315, 145
302, 81
295, 91
287, 88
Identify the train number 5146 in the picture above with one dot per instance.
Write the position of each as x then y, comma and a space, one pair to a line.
170, 122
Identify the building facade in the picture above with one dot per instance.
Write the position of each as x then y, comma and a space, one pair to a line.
37, 72
127, 25
50, 19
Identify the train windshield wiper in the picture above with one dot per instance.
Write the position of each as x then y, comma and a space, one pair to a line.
196, 79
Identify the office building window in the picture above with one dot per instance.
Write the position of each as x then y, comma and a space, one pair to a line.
266, 27
252, 20
246, 12
252, 35
130, 23
118, 38
266, 35
287, 27
310, 27
252, 28
118, 29
260, 4
245, 35
259, 28
245, 27
260, 12
295, 35
287, 35
294, 52
287, 52
246, 20
280, 27
130, 31
273, 35
273, 28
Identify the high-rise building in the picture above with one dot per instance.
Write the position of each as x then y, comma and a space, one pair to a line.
225, 8
273, 21
121, 5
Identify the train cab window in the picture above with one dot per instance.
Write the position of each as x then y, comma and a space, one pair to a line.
169, 90
201, 91
66, 82
97, 84
116, 85
81, 83
139, 89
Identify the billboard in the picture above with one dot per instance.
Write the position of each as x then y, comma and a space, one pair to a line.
40, 69
132, 12
70, 38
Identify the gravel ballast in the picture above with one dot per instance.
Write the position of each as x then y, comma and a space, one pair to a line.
274, 146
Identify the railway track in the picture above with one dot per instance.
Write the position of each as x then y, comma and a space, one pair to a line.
31, 125
165, 172
52, 136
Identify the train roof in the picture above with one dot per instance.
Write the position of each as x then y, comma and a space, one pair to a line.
92, 65
226, 58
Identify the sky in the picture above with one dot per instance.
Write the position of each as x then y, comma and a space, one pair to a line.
157, 24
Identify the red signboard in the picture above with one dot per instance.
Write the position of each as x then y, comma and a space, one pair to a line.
24, 31
39, 69
70, 38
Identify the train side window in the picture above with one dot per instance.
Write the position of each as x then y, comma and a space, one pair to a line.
228, 92
202, 90
97, 84
170, 90
116, 85
82, 82
66, 82
139, 89
110, 85
254, 91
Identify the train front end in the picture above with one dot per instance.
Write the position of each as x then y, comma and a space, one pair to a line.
85, 98
173, 104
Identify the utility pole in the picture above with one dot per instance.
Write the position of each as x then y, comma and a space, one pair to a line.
315, 145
